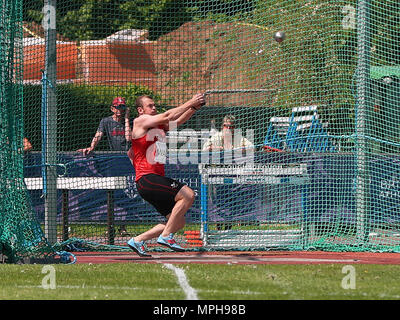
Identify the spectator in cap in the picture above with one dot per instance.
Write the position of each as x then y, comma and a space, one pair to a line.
117, 128
27, 145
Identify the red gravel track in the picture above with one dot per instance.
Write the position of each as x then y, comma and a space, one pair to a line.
268, 257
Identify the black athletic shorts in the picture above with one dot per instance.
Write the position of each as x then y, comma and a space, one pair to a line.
159, 191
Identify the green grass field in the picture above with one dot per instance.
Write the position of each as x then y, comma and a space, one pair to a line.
212, 282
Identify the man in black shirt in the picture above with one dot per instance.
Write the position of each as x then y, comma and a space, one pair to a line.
116, 128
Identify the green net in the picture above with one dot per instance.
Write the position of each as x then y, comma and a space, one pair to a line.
20, 232
311, 88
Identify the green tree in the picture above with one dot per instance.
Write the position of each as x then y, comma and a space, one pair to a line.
94, 19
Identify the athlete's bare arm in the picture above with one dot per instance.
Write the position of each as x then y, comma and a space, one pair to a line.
173, 114
146, 121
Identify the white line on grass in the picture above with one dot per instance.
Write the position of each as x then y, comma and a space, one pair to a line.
101, 287
191, 293
204, 291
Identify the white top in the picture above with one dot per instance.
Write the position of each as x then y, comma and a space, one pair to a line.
217, 141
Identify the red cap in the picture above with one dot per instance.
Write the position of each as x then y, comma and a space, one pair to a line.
118, 101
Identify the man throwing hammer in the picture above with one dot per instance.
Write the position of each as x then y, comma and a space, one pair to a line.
171, 198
